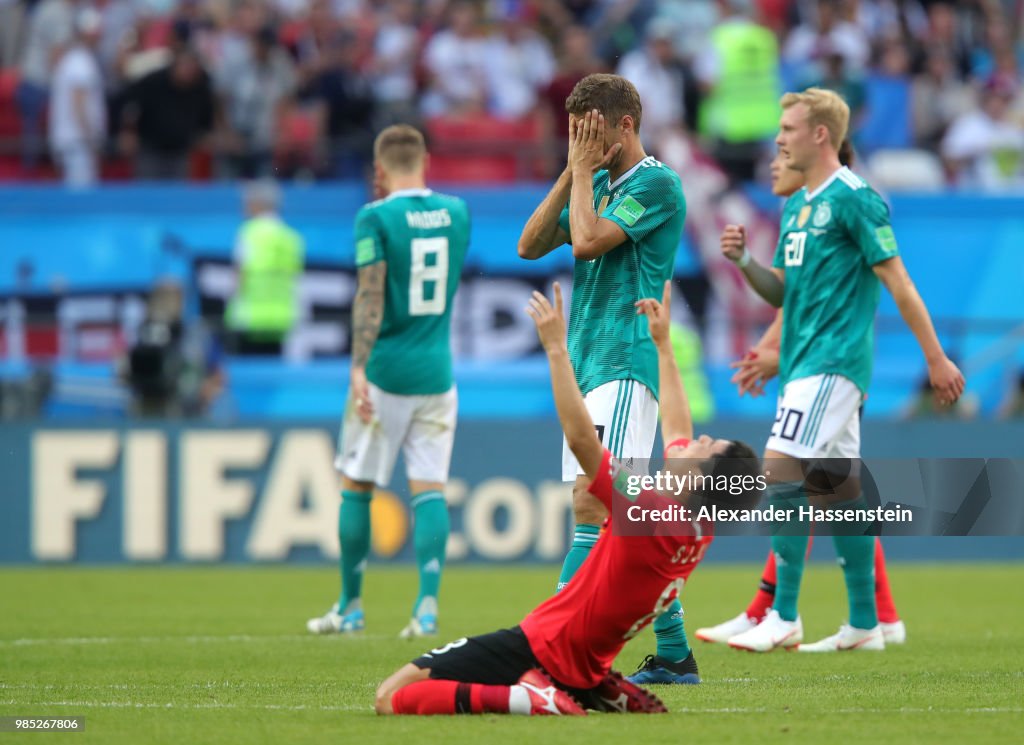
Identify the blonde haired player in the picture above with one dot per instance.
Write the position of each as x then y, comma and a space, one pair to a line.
756, 368
836, 248
409, 249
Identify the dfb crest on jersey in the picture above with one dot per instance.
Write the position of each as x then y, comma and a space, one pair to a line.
805, 212
822, 215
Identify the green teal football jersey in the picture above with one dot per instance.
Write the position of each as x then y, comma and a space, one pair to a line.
423, 237
828, 243
607, 339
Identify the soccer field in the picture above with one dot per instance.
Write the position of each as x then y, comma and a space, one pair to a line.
197, 655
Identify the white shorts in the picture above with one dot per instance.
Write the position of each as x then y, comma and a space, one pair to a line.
625, 414
422, 427
818, 417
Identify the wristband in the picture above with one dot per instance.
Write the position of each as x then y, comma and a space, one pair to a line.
744, 259
677, 443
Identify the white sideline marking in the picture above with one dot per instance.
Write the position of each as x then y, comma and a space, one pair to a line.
172, 705
81, 640
367, 708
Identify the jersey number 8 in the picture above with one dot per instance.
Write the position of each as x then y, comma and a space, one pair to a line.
420, 273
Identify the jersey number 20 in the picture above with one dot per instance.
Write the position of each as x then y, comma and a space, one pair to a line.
420, 273
794, 248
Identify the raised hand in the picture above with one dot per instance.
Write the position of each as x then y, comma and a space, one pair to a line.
549, 319
658, 316
734, 242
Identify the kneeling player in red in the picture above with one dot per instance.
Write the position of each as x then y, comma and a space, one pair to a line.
558, 659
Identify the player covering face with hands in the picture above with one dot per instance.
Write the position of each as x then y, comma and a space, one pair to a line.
558, 659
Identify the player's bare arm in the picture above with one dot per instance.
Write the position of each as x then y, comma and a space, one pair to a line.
766, 282
572, 412
945, 377
676, 421
592, 236
761, 363
542, 234
367, 315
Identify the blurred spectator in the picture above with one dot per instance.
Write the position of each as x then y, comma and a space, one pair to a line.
268, 264
577, 60
887, 19
455, 60
395, 51
739, 73
164, 115
255, 91
616, 25
346, 108
659, 78
984, 148
693, 21
173, 369
938, 96
50, 26
78, 105
12, 13
807, 43
849, 85
316, 32
945, 30
1012, 407
120, 21
519, 64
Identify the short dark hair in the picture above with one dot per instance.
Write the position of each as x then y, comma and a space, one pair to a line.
846, 152
612, 95
737, 462
400, 147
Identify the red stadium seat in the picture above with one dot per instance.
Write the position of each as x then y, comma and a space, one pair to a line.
483, 148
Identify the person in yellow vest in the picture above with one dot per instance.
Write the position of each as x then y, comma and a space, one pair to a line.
689, 353
739, 77
268, 262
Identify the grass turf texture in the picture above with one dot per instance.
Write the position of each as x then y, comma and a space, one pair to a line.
197, 655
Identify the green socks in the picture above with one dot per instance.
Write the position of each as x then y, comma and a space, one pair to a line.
430, 538
671, 635
856, 555
354, 535
790, 550
583, 540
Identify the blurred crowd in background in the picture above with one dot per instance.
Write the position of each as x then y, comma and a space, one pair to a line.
171, 89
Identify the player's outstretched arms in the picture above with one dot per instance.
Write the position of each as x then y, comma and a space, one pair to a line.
945, 377
572, 412
676, 421
766, 282
761, 363
367, 315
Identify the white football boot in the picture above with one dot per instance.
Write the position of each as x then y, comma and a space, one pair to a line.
849, 639
724, 631
771, 633
333, 622
894, 633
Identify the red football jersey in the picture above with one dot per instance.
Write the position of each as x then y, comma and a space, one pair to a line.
625, 583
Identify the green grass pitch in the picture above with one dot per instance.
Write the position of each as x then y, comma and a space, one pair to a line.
220, 655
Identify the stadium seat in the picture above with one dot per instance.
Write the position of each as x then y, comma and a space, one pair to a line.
483, 148
10, 127
907, 170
